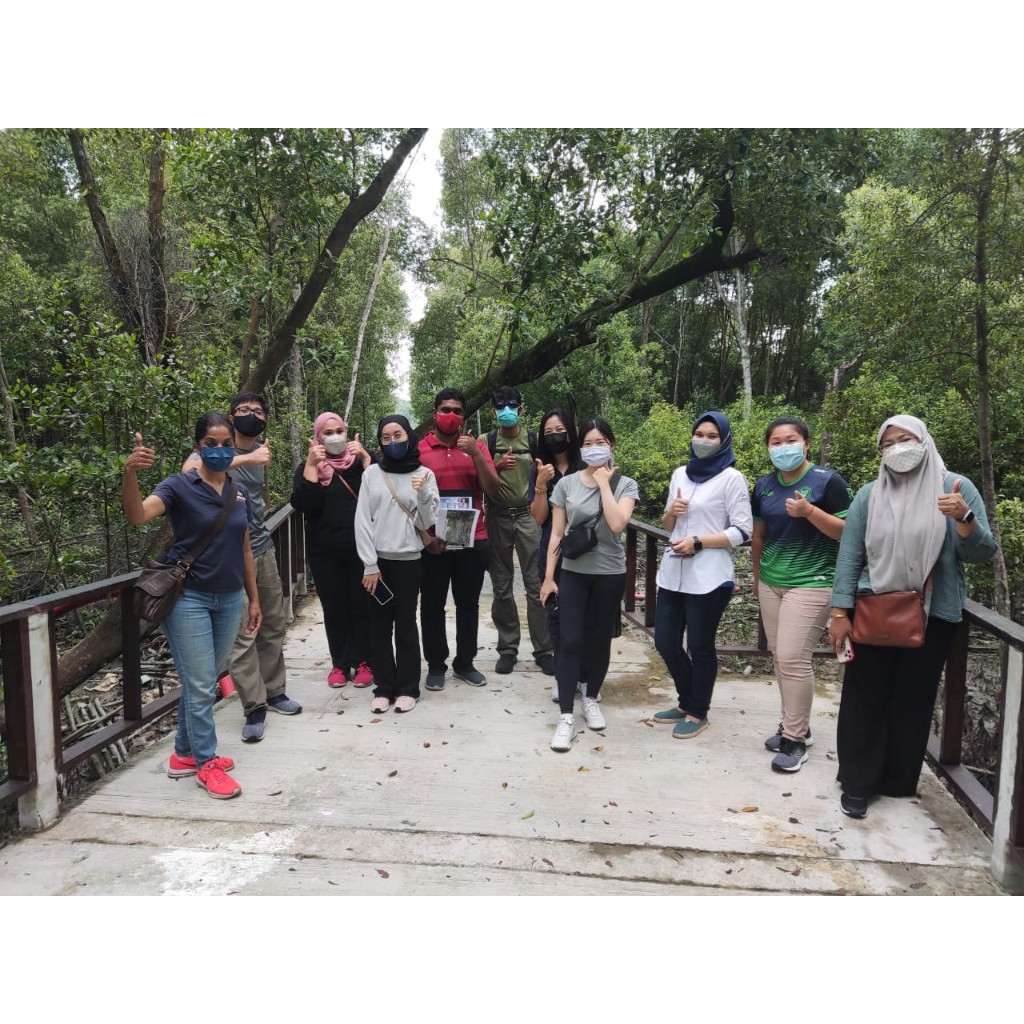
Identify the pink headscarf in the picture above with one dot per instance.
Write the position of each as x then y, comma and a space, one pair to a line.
333, 463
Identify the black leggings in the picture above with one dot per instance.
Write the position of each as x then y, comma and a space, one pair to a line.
339, 585
396, 641
589, 609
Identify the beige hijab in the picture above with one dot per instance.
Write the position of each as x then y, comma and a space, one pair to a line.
905, 529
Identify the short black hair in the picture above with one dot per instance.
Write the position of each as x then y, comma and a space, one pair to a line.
450, 395
596, 423
573, 451
212, 419
249, 396
788, 421
506, 393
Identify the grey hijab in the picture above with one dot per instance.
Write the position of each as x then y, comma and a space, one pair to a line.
905, 529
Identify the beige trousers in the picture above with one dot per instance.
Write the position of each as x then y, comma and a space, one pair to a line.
793, 620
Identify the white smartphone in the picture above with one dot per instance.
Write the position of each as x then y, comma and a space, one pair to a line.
382, 593
845, 653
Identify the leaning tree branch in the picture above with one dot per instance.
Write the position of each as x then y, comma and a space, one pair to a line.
361, 206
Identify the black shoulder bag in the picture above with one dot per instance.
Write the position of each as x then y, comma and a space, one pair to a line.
583, 538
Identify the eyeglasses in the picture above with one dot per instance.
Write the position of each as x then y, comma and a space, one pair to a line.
506, 405
250, 410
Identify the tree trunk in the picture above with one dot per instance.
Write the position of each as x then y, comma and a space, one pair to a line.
295, 405
357, 355
353, 215
832, 388
12, 440
252, 328
155, 310
681, 309
981, 336
736, 305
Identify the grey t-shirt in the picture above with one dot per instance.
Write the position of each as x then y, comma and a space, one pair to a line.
581, 504
252, 476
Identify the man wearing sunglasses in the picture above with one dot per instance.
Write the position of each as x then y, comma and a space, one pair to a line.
464, 472
511, 528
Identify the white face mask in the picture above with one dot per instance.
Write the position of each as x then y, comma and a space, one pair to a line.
335, 444
903, 457
596, 454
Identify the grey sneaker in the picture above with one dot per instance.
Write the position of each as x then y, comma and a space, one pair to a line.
472, 676
284, 705
564, 733
774, 743
255, 723
792, 754
434, 680
592, 714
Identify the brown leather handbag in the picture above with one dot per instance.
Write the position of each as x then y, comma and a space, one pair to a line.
896, 619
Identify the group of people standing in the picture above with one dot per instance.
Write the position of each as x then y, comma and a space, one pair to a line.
390, 532
817, 550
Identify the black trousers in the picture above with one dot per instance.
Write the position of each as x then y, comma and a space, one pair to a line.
395, 640
339, 584
463, 570
885, 713
589, 609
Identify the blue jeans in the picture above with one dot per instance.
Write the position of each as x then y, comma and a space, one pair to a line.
694, 671
200, 631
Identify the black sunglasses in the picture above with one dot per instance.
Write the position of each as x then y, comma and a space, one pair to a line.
506, 405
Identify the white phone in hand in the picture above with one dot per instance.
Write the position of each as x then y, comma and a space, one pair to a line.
845, 652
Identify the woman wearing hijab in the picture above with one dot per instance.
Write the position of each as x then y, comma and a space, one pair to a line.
916, 522
325, 490
397, 504
707, 515
799, 511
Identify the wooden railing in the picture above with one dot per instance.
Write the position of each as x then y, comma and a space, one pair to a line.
36, 756
1000, 815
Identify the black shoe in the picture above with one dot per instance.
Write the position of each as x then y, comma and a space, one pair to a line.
854, 806
547, 663
472, 675
774, 743
505, 664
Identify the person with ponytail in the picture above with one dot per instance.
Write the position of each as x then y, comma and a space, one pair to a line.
397, 505
911, 529
707, 514
325, 489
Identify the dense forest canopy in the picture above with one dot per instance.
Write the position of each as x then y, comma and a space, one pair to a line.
641, 274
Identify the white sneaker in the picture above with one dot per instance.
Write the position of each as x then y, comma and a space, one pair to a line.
592, 713
564, 733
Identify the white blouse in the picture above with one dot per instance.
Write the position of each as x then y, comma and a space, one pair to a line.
721, 503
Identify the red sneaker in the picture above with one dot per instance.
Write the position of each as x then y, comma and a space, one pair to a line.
215, 780
363, 677
337, 679
181, 767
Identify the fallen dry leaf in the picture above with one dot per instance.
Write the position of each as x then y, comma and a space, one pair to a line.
506, 710
425, 743
504, 785
583, 768
374, 721
528, 814
391, 775
795, 872
612, 803
749, 809
599, 750
794, 821
546, 861
382, 873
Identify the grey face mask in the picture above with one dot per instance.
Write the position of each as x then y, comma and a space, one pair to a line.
702, 449
336, 444
903, 457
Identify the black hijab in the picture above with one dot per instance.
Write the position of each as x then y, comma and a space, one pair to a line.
409, 462
704, 469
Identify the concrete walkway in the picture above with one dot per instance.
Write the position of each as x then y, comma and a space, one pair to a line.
464, 795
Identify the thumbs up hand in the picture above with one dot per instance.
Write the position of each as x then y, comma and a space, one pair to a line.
680, 505
953, 505
507, 461
545, 474
140, 456
355, 447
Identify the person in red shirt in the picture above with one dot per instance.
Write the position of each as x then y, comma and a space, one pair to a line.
465, 472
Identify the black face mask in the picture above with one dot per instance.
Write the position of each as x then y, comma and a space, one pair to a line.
556, 443
250, 425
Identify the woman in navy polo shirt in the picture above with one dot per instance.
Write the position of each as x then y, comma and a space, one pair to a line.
202, 625
799, 513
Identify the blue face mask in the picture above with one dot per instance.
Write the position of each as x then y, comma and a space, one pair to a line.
787, 456
508, 417
396, 449
217, 459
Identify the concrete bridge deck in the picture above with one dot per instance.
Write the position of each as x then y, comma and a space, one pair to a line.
464, 796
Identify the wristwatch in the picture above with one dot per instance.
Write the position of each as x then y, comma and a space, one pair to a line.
968, 517
698, 544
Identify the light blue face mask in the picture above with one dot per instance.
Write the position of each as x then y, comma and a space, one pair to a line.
508, 417
787, 456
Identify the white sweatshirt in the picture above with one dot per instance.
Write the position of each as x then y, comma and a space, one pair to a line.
382, 528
